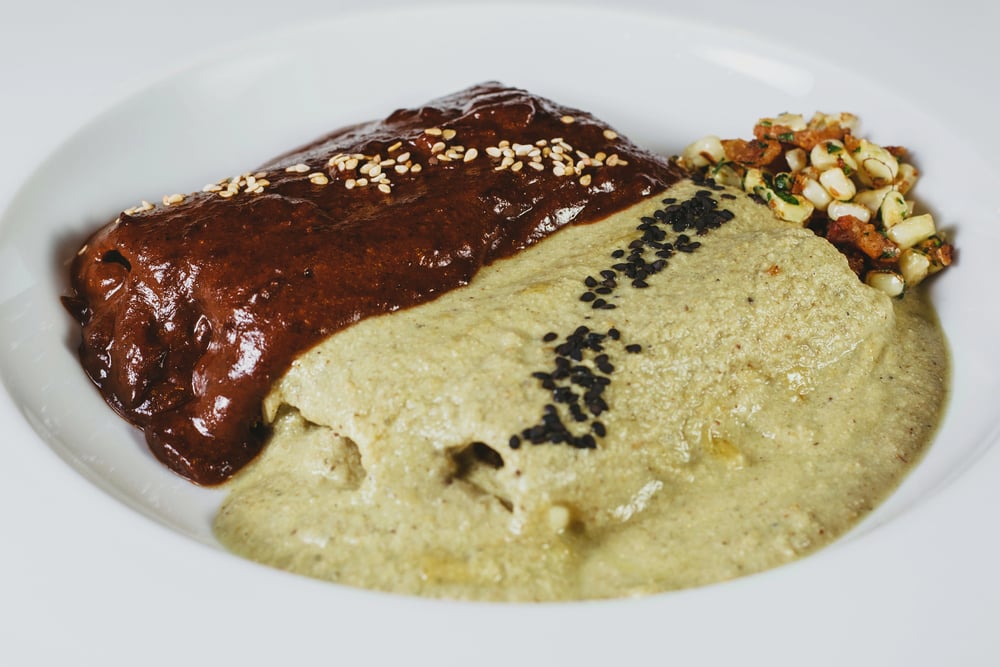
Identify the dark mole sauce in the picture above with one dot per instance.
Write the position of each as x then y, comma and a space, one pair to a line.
190, 312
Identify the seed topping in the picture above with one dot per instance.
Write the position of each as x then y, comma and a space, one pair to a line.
583, 368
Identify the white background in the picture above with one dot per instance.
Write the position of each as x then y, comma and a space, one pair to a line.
62, 63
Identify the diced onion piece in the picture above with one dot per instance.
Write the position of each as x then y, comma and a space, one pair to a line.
752, 180
889, 282
893, 210
838, 209
906, 178
724, 174
837, 184
816, 194
912, 231
876, 165
829, 154
792, 121
872, 199
704, 152
914, 265
798, 212
821, 120
797, 160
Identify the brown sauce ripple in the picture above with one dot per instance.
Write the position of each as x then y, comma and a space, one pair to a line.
189, 312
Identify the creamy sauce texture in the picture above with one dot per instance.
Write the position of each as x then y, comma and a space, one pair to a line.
758, 401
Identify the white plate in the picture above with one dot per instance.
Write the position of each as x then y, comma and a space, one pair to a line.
879, 592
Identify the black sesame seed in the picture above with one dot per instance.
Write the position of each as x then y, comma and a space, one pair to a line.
599, 429
564, 395
614, 334
587, 296
670, 200
597, 406
589, 281
727, 195
515, 442
598, 303
603, 290
634, 348
618, 253
549, 337
581, 331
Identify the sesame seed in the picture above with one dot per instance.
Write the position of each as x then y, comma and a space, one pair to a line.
438, 147
170, 200
394, 147
433, 131
350, 183
493, 151
351, 163
318, 178
610, 135
567, 119
401, 168
585, 180
537, 166
226, 194
384, 187
362, 182
403, 157
470, 155
516, 166
550, 336
448, 134
415, 168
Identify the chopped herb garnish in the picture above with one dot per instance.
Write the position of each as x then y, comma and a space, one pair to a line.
783, 182
787, 137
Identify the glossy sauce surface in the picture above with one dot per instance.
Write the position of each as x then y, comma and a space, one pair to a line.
190, 311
